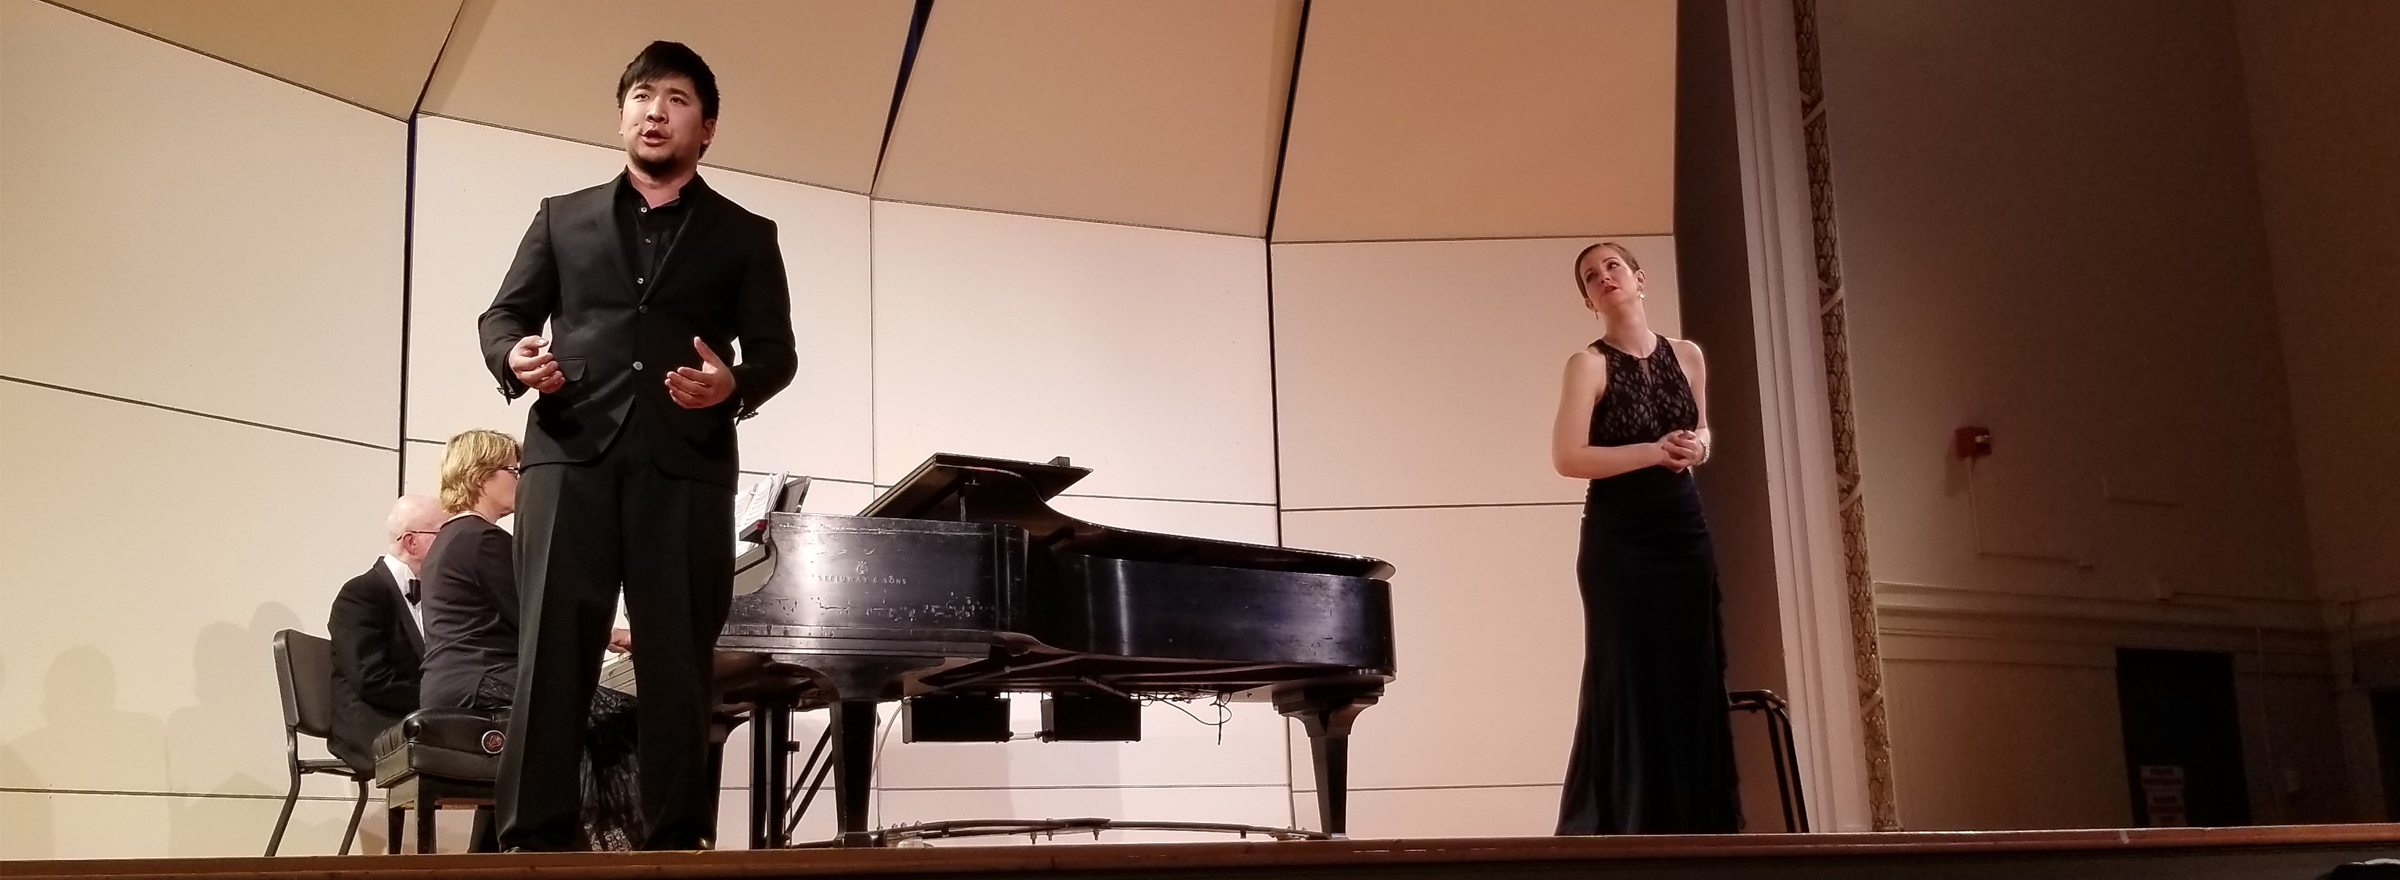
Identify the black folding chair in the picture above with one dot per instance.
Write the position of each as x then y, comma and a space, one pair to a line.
304, 672
1779, 741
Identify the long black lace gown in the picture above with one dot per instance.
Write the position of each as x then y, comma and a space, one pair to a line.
1653, 748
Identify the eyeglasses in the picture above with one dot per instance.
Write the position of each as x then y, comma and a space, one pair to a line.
513, 469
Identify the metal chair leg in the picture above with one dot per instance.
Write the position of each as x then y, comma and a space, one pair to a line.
357, 810
290, 798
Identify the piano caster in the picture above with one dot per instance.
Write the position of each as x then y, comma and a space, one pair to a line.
1327, 713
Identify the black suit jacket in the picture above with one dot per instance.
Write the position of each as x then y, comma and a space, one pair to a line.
722, 281
376, 658
470, 599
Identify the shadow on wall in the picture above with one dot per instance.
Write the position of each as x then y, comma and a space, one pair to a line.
230, 741
109, 749
26, 834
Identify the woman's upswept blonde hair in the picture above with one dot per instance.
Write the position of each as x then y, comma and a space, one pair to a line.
467, 461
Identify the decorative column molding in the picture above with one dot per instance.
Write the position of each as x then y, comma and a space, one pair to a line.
1831, 659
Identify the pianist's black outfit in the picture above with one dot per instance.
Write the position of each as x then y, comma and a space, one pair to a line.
1653, 748
376, 655
622, 485
471, 632
470, 601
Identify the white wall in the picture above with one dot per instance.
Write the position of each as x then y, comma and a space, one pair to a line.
199, 332
1415, 387
2072, 254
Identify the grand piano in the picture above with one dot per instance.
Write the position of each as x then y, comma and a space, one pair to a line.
961, 584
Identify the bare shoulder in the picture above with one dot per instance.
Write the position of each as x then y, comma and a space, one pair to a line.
1687, 353
1587, 364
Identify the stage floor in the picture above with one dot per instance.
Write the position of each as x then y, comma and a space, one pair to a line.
2300, 852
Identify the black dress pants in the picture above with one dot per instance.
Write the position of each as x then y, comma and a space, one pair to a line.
582, 530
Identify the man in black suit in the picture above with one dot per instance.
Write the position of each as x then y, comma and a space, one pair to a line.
629, 464
378, 637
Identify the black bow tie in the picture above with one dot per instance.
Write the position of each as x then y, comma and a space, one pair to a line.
415, 592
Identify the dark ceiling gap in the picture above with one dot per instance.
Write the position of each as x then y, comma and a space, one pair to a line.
1283, 143
908, 62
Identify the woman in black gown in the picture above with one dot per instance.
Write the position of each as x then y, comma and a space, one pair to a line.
1653, 748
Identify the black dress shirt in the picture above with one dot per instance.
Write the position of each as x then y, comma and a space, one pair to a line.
649, 233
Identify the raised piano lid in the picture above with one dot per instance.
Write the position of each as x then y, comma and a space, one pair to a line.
973, 488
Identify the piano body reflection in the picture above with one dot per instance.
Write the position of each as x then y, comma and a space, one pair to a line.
961, 583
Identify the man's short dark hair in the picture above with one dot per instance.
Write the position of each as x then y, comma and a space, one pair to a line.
663, 59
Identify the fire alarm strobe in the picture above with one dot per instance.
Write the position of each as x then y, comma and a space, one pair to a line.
1973, 442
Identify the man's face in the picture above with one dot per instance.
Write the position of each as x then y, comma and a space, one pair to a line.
660, 122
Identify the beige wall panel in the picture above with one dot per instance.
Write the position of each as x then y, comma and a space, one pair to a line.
1498, 811
1139, 353
1458, 119
200, 236
376, 54
822, 424
477, 189
1249, 805
1994, 746
2325, 124
1248, 523
1489, 631
806, 85
421, 467
152, 672
43, 825
1420, 373
2086, 278
1159, 113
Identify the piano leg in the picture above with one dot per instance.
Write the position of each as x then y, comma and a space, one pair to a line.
853, 767
770, 773
1327, 714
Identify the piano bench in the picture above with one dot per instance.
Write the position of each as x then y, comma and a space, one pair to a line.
435, 758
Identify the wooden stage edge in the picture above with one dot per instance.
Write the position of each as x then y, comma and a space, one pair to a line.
2285, 850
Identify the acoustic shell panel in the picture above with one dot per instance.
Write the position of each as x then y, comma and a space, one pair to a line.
148, 669
1462, 119
1488, 626
806, 85
1158, 113
198, 235
377, 55
1427, 373
1140, 353
477, 190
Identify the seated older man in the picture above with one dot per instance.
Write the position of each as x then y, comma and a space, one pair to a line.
379, 635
